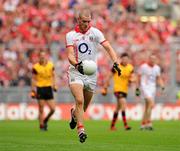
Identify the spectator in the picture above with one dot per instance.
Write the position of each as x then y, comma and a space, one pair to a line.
29, 26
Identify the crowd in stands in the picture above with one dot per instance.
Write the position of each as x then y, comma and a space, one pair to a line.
29, 26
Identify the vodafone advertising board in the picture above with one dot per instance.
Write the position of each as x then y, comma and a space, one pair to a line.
23, 111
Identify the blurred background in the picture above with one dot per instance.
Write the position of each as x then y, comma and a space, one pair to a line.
138, 27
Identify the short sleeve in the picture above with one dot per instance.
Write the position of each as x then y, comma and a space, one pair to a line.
100, 36
69, 40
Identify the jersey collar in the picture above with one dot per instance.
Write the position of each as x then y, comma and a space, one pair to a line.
43, 64
123, 65
151, 65
78, 30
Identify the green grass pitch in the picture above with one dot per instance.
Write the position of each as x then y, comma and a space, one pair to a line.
25, 136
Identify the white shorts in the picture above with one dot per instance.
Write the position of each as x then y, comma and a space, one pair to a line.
89, 82
148, 92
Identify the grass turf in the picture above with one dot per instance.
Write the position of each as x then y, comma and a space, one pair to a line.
25, 136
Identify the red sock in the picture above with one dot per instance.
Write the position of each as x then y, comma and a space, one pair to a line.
124, 118
80, 128
41, 126
143, 123
149, 123
114, 119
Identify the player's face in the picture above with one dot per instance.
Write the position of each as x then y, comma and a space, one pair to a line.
84, 22
125, 60
152, 60
42, 57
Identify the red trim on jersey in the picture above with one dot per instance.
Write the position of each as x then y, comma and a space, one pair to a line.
68, 74
66, 42
76, 53
69, 46
77, 29
103, 41
142, 62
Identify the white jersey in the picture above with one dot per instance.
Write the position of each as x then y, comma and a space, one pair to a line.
148, 75
85, 48
85, 44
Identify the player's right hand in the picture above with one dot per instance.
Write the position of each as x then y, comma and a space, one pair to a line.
33, 94
79, 67
104, 91
138, 92
116, 68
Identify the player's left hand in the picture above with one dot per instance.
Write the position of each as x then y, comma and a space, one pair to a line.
55, 88
79, 67
116, 67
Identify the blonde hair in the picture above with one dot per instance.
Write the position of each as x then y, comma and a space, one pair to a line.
84, 12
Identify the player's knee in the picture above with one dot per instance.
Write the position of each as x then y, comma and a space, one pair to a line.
150, 104
79, 101
41, 109
123, 107
118, 107
122, 104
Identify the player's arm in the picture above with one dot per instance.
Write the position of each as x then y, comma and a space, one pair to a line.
137, 82
70, 49
112, 55
110, 51
132, 78
107, 83
33, 79
159, 79
72, 60
108, 78
33, 83
54, 79
71, 57
160, 82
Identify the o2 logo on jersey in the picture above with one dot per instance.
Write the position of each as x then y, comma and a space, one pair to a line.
83, 48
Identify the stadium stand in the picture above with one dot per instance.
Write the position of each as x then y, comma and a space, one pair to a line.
28, 26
